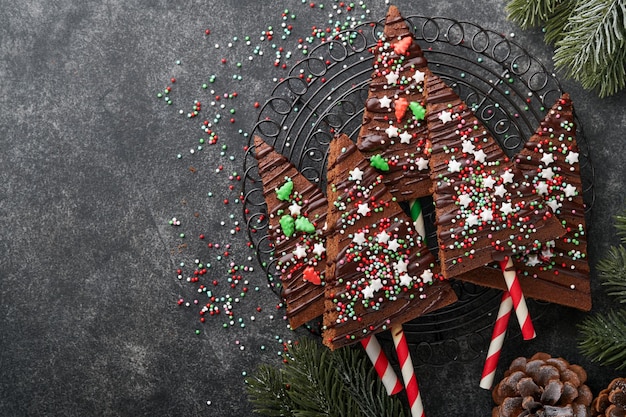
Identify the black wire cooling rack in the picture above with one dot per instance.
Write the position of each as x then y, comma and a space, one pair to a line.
507, 88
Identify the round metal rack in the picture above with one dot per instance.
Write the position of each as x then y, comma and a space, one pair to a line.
507, 88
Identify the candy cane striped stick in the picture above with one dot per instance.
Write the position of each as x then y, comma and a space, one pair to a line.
408, 372
519, 302
497, 340
387, 375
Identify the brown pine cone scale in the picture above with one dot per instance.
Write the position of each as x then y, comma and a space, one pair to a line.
611, 402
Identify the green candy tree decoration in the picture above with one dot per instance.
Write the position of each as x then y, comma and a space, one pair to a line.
589, 36
603, 336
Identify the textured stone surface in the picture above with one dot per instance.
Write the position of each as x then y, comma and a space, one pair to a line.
89, 323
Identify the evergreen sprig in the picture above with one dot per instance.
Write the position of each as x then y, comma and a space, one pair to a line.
589, 35
318, 382
603, 335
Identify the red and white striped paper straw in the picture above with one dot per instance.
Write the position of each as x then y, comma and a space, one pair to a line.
385, 372
497, 341
408, 372
519, 302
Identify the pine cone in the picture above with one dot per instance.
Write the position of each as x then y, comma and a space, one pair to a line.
542, 386
611, 402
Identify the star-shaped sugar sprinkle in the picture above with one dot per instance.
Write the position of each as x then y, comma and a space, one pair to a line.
359, 238
572, 157
489, 182
392, 78
295, 209
554, 205
547, 173
486, 215
368, 292
507, 177
427, 276
418, 77
480, 156
541, 187
472, 220
422, 164
393, 245
364, 209
356, 174
300, 252
506, 209
468, 146
384, 102
454, 166
500, 191
445, 117
465, 200
376, 284
405, 137
392, 131
532, 260
405, 280
547, 159
570, 191
400, 266
547, 253
319, 249
382, 237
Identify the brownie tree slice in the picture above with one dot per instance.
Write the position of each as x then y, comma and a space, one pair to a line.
484, 211
393, 122
379, 273
297, 215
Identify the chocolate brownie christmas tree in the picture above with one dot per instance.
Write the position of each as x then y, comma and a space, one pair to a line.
297, 215
484, 207
380, 273
394, 127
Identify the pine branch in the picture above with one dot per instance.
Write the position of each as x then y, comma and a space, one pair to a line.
592, 51
268, 393
554, 26
531, 13
603, 338
620, 225
612, 270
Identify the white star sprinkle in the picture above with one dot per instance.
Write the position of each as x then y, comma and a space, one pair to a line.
454, 166
368, 292
393, 245
547, 253
300, 252
547, 173
364, 209
547, 159
465, 200
418, 76
405, 280
392, 78
572, 157
554, 205
376, 284
480, 156
486, 215
422, 164
472, 220
427, 276
392, 131
506, 208
507, 177
468, 146
445, 117
500, 191
359, 238
570, 191
405, 137
384, 102
542, 188
383, 237
356, 174
319, 249
488, 182
400, 266
294, 209
532, 260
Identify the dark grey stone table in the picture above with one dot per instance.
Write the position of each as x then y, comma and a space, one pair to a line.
90, 321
